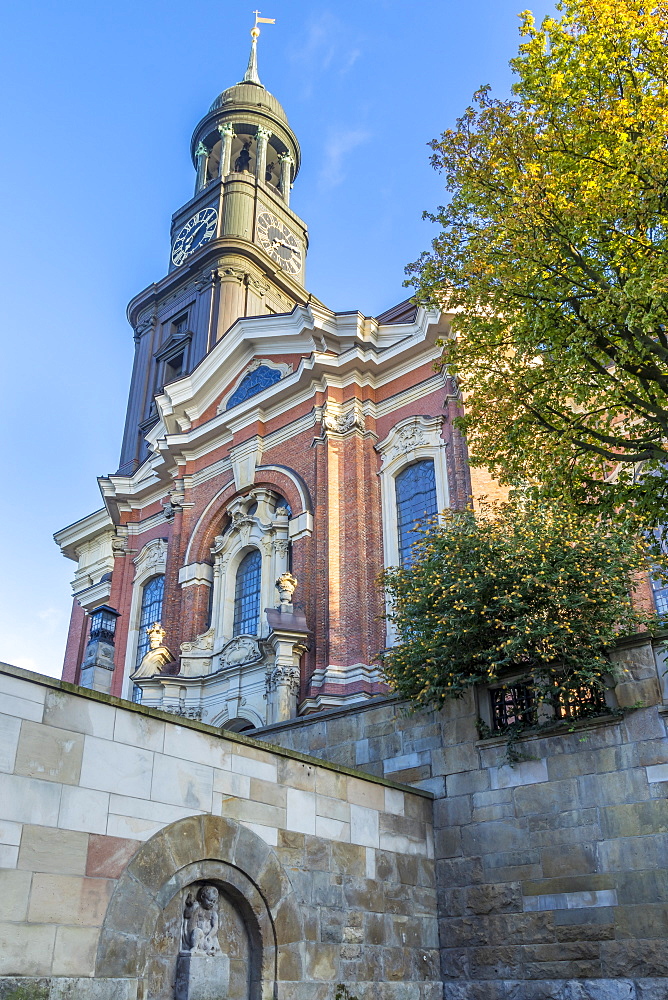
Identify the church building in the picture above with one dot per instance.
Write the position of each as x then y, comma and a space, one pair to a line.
276, 457
221, 798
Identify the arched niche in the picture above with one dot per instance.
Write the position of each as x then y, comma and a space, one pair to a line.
140, 937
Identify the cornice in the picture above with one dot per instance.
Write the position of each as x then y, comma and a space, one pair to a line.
85, 530
210, 257
341, 350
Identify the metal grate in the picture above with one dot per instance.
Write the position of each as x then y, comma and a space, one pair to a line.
416, 500
579, 702
247, 595
511, 704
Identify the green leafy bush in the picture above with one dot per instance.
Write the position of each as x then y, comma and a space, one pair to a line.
521, 587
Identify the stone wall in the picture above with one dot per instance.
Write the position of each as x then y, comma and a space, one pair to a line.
111, 814
552, 875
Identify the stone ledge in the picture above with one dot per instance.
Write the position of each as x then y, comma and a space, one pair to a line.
313, 718
557, 729
56, 988
176, 720
556, 989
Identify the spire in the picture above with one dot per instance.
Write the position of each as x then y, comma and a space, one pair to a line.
251, 72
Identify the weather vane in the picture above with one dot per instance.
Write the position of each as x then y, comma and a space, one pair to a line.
255, 32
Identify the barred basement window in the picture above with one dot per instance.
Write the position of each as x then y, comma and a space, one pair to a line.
247, 595
580, 702
151, 611
511, 704
515, 704
416, 500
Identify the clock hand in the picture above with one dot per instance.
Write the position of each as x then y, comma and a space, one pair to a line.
282, 243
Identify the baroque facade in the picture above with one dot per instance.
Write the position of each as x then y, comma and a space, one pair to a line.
276, 457
267, 439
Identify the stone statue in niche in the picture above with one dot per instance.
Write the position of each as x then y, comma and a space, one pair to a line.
202, 969
200, 923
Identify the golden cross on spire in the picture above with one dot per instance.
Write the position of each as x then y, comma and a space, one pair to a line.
260, 20
251, 73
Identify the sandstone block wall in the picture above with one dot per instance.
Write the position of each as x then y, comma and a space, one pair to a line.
110, 812
552, 875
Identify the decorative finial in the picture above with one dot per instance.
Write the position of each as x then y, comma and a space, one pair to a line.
251, 73
156, 635
286, 586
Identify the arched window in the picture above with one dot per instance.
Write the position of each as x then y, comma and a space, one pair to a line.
151, 611
257, 380
280, 501
416, 500
247, 595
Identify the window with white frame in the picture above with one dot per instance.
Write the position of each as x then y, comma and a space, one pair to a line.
151, 611
414, 482
249, 555
247, 591
149, 565
414, 485
415, 488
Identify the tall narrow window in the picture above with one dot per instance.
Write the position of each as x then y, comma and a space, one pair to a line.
659, 585
151, 611
416, 500
247, 595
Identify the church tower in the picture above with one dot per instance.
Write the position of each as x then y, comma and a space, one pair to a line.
236, 245
276, 457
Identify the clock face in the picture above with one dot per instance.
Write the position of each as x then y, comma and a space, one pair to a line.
196, 232
281, 245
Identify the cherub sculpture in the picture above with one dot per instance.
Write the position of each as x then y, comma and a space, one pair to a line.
199, 935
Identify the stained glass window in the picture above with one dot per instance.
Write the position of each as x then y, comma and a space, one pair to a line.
247, 595
416, 500
253, 383
151, 611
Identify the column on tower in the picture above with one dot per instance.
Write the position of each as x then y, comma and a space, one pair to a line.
263, 135
226, 135
202, 154
286, 176
232, 301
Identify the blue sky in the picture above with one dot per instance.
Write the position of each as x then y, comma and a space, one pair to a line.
99, 102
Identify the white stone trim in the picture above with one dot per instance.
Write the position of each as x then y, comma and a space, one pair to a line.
262, 530
196, 573
94, 596
289, 474
75, 535
411, 440
212, 502
149, 562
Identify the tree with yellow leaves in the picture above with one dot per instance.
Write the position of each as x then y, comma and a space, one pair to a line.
553, 254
